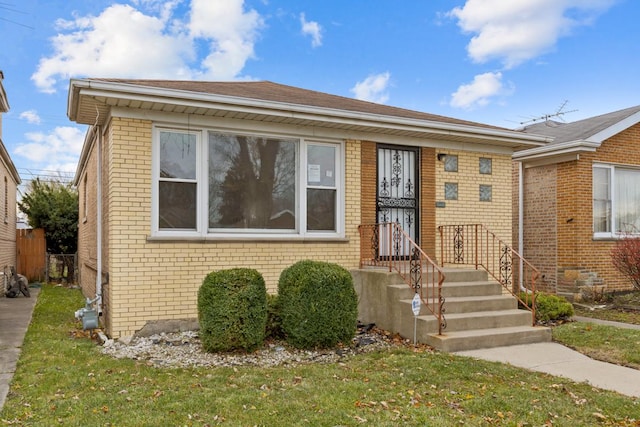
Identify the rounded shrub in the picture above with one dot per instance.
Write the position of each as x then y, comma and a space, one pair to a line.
552, 307
232, 310
318, 304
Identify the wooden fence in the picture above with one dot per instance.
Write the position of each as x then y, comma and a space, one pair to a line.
31, 258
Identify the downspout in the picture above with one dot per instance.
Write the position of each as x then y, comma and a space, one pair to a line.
521, 223
99, 222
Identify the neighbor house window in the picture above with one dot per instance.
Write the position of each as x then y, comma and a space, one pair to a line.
616, 200
6, 200
228, 184
84, 198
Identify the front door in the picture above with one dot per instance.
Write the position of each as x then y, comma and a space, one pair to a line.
398, 189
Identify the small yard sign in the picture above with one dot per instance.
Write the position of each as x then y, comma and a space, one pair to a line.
415, 304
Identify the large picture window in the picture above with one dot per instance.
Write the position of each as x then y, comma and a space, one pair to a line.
212, 183
616, 201
252, 182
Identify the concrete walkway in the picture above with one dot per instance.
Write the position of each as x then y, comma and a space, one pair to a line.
556, 359
15, 316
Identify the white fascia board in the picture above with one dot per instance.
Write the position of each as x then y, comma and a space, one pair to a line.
297, 111
622, 125
555, 150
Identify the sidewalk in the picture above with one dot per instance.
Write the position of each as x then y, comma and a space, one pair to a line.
556, 359
15, 316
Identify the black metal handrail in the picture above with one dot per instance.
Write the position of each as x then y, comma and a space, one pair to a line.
474, 244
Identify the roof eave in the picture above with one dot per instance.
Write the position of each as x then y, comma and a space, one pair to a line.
79, 88
615, 129
555, 153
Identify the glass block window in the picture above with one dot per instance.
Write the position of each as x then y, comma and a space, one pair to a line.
485, 166
451, 163
451, 191
485, 193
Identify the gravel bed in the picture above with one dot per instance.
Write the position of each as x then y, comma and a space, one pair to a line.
184, 350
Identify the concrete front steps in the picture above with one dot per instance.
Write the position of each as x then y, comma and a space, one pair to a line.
477, 313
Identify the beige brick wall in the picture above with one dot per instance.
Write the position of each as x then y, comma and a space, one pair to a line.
153, 280
468, 209
159, 280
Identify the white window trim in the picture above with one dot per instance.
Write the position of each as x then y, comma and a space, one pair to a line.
203, 232
339, 187
155, 196
613, 234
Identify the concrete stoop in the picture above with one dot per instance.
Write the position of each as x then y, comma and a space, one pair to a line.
477, 313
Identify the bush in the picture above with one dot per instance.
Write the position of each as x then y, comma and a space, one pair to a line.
232, 310
318, 304
551, 307
625, 256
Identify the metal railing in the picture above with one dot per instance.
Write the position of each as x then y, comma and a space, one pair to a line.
475, 245
388, 245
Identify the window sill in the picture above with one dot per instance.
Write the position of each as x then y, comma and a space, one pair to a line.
251, 239
613, 238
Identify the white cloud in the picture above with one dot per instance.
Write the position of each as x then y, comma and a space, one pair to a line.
63, 144
373, 88
313, 29
517, 31
123, 41
479, 92
231, 33
31, 116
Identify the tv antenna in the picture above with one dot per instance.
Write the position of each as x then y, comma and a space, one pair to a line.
545, 117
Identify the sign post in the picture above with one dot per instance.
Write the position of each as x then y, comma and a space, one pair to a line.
415, 306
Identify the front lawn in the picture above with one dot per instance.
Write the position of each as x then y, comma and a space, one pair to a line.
63, 379
623, 308
607, 343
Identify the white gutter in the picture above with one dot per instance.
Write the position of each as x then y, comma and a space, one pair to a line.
551, 150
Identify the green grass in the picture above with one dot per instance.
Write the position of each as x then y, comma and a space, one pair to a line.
608, 343
63, 379
618, 308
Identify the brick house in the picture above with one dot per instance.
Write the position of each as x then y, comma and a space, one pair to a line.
180, 178
579, 194
9, 181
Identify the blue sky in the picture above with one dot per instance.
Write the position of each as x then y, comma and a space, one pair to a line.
490, 61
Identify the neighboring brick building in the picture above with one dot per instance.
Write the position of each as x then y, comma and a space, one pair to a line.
9, 181
180, 178
580, 194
